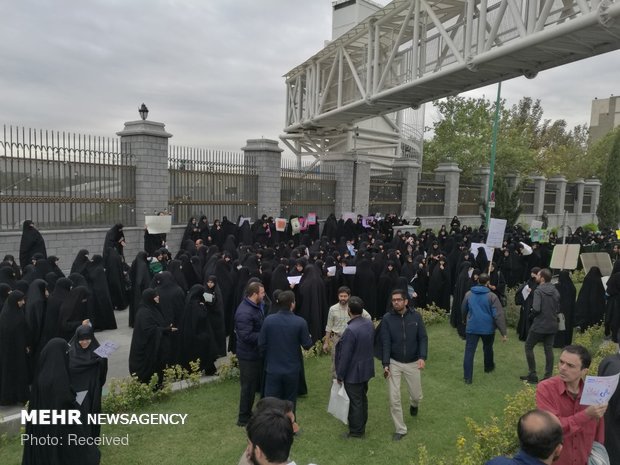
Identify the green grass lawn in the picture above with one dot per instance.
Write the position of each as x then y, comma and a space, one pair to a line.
211, 436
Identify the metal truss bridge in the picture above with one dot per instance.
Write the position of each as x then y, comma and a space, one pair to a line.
416, 51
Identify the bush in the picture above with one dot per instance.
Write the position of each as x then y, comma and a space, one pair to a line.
128, 394
432, 314
512, 310
592, 227
227, 367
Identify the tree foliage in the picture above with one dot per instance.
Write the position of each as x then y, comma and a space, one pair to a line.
527, 143
506, 202
608, 211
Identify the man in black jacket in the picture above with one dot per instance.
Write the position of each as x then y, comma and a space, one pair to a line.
405, 349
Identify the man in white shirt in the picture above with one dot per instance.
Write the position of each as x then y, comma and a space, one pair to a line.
337, 321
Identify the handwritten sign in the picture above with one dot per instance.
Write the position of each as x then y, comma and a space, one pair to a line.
598, 390
487, 250
495, 238
565, 256
294, 279
106, 349
349, 269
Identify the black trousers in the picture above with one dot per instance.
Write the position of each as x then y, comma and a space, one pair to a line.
250, 372
358, 407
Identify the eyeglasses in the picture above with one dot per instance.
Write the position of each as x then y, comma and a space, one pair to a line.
397, 300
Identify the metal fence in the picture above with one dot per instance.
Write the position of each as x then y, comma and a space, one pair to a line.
212, 183
587, 202
469, 199
431, 196
527, 200
64, 180
385, 194
310, 188
550, 195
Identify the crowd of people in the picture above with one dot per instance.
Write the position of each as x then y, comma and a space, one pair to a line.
229, 288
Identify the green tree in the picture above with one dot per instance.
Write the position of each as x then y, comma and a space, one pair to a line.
608, 211
507, 203
526, 142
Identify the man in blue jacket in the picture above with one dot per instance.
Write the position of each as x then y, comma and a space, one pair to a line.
280, 338
482, 312
405, 348
248, 322
355, 365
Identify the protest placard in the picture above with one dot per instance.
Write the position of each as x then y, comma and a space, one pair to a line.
156, 224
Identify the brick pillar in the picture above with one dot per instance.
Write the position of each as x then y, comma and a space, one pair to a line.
539, 195
266, 155
560, 193
484, 174
147, 141
450, 173
580, 186
595, 186
353, 182
410, 170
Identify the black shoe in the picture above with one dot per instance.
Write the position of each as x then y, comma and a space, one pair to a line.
467, 381
413, 411
349, 435
490, 369
242, 423
398, 436
530, 379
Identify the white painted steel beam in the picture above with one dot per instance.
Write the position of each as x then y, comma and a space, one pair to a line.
416, 51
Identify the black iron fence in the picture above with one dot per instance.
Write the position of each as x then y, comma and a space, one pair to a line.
64, 180
385, 194
310, 188
527, 200
431, 196
550, 195
469, 199
212, 183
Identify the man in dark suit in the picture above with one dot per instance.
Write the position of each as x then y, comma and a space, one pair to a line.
279, 340
355, 366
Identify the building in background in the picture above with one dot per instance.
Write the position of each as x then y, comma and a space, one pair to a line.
605, 116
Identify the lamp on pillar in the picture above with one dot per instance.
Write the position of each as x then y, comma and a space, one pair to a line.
144, 112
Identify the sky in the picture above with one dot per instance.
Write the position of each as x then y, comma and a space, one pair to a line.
211, 70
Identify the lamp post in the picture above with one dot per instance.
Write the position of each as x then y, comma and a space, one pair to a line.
143, 112
493, 153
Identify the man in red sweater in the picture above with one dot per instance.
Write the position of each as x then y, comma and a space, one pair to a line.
561, 395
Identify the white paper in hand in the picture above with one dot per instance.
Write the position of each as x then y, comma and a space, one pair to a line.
339, 402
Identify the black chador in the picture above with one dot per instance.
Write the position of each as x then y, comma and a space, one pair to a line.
51, 390
31, 243
14, 348
88, 373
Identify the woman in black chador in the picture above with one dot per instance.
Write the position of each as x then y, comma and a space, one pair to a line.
52, 313
14, 349
88, 373
150, 349
103, 311
312, 304
590, 309
51, 390
140, 280
198, 341
568, 294
73, 312
215, 314
32, 242
36, 304
115, 267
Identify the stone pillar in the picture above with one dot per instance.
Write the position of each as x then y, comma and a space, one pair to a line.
580, 185
266, 155
595, 187
353, 182
560, 193
449, 173
147, 141
484, 174
539, 195
410, 169
512, 181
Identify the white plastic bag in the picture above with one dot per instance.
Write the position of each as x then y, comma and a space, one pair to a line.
339, 402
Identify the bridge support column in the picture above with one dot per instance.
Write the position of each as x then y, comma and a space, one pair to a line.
266, 155
148, 142
410, 170
353, 182
450, 173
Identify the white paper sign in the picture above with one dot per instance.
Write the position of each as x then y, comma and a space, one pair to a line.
604, 279
487, 250
158, 224
349, 269
565, 256
208, 297
294, 279
349, 216
106, 349
80, 396
525, 292
331, 271
495, 238
244, 219
281, 224
598, 390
